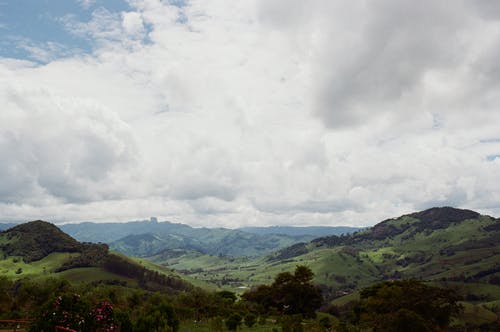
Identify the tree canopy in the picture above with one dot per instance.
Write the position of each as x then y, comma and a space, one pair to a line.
407, 305
289, 294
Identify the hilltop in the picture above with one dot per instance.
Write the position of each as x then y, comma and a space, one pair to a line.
35, 240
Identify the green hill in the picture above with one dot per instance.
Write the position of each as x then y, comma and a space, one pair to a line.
35, 240
39, 249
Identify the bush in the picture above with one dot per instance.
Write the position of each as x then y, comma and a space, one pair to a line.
233, 322
250, 320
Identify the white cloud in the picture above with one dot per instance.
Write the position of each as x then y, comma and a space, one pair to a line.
257, 112
59, 149
132, 24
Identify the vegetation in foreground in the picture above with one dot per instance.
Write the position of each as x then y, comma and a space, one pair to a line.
291, 303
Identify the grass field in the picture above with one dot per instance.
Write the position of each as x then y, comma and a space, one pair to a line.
15, 267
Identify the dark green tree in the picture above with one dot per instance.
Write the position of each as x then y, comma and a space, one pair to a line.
233, 322
122, 319
289, 294
325, 323
250, 319
407, 305
227, 296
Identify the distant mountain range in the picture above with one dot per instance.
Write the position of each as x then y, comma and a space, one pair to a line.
314, 231
146, 238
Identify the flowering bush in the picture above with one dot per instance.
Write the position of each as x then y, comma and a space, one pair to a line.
103, 317
72, 312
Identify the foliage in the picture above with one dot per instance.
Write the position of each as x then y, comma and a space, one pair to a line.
227, 296
90, 255
147, 278
407, 305
325, 323
233, 322
289, 294
250, 319
105, 308
74, 312
291, 323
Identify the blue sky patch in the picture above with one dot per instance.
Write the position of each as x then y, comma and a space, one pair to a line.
28, 28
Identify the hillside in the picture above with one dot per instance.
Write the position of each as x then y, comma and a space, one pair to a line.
207, 241
39, 249
444, 245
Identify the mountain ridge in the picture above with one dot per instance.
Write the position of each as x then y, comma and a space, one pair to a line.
131, 238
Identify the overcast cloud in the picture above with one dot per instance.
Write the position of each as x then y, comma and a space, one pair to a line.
258, 112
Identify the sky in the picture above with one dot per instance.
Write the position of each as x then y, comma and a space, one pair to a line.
253, 112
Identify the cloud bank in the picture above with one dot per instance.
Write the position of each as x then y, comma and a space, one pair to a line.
219, 113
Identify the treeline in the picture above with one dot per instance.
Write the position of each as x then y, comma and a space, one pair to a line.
90, 255
147, 279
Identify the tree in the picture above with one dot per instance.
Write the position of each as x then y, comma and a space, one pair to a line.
250, 320
227, 296
407, 305
233, 322
325, 323
289, 294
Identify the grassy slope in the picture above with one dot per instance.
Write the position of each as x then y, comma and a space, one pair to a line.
36, 239
45, 266
90, 274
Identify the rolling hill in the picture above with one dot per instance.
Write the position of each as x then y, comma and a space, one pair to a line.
40, 250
